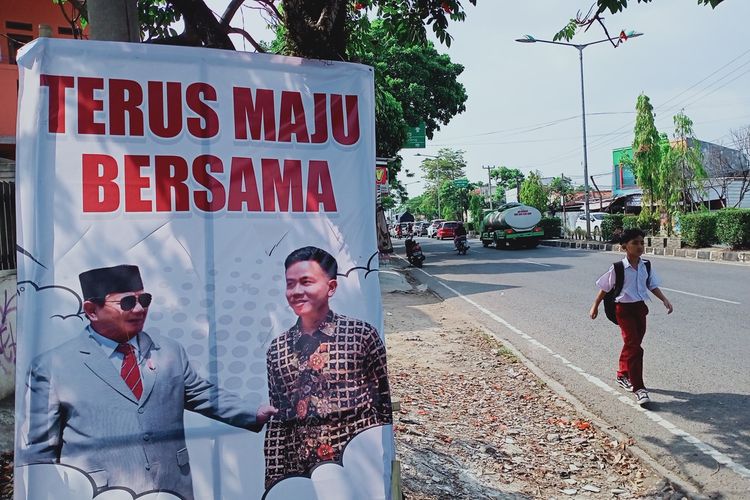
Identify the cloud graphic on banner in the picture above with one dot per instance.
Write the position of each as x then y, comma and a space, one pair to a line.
331, 481
69, 483
367, 268
67, 302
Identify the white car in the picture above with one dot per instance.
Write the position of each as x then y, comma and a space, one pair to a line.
596, 219
433, 227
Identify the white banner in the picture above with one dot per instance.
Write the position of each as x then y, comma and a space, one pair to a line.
196, 236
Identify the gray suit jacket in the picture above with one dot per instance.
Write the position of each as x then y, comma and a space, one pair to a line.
80, 412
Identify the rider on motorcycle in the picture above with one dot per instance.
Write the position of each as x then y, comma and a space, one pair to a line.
459, 234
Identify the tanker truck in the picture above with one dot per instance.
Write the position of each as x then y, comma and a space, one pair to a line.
512, 225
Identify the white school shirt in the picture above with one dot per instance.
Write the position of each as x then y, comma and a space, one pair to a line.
634, 286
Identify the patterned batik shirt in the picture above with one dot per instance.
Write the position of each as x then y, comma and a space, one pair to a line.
328, 387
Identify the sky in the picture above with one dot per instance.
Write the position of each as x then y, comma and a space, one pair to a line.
524, 102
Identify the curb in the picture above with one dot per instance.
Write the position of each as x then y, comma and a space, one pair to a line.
717, 255
690, 489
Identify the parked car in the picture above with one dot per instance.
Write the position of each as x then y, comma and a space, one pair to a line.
433, 227
420, 228
596, 219
447, 230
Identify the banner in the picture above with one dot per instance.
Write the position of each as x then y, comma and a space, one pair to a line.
199, 310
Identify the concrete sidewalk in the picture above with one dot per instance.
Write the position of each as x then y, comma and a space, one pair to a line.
706, 254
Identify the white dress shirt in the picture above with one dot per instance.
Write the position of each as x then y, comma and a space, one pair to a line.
635, 286
109, 347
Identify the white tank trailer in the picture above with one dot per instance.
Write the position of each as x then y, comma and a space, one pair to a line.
512, 225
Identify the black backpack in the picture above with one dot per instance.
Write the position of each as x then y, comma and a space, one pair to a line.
609, 298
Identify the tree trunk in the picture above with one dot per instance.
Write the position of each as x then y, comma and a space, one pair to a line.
316, 29
114, 20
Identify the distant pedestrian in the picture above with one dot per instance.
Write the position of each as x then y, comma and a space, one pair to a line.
637, 279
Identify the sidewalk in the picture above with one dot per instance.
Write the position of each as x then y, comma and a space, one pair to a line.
706, 254
476, 420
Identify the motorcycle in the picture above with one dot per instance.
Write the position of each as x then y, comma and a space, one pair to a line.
414, 253
461, 244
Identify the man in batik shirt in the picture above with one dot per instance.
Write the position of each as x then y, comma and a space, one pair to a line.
326, 375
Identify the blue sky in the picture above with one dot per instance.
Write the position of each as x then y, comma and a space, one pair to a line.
524, 106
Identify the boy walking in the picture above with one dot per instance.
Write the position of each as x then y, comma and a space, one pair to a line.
631, 309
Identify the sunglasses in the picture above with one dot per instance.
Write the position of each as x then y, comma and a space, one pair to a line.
128, 303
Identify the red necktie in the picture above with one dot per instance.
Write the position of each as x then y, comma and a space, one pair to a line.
129, 370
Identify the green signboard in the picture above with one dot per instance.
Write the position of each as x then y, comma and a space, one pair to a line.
415, 137
461, 183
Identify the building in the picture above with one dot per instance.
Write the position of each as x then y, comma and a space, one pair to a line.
727, 185
20, 22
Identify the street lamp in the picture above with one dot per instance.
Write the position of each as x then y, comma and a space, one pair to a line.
438, 183
580, 46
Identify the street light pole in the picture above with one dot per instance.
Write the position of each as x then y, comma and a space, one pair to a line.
580, 47
489, 180
585, 151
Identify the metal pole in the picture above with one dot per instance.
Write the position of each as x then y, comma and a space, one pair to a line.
489, 179
585, 157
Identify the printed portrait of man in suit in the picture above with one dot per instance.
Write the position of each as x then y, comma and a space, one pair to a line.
111, 401
326, 375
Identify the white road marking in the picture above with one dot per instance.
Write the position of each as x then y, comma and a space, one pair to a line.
697, 443
532, 262
701, 296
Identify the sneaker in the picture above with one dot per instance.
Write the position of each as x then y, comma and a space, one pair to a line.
641, 397
624, 382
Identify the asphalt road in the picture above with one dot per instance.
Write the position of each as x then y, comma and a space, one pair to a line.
696, 363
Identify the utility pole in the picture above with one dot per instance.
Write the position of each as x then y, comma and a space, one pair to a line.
489, 179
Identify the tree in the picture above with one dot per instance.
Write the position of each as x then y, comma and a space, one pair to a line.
562, 188
506, 179
594, 15
413, 83
646, 160
476, 206
448, 164
684, 161
452, 201
741, 142
318, 29
730, 168
533, 192
416, 75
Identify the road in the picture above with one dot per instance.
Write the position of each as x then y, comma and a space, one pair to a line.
696, 360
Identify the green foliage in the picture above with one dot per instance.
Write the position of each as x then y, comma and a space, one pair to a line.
551, 226
470, 226
422, 80
698, 229
647, 152
407, 20
630, 222
506, 178
610, 224
649, 223
685, 160
733, 227
451, 201
475, 206
561, 188
448, 164
533, 192
599, 8
156, 17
